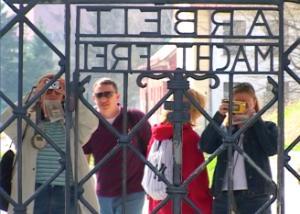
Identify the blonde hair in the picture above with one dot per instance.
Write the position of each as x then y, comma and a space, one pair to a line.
193, 111
105, 81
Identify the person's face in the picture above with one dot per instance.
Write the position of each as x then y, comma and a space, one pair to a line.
247, 98
106, 98
51, 100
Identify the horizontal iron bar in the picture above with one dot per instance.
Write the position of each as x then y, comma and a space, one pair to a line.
269, 2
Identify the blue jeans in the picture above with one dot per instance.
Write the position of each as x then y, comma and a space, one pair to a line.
245, 203
52, 200
134, 203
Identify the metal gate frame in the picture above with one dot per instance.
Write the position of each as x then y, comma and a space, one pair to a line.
177, 86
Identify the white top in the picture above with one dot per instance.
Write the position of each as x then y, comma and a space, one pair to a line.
239, 172
111, 120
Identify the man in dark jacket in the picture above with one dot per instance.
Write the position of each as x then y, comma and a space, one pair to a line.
251, 190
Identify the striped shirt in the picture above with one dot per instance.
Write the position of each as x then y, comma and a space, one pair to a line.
48, 158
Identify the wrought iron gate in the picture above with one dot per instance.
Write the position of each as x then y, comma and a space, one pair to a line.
202, 56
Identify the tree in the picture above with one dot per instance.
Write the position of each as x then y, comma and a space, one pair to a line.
39, 60
8, 60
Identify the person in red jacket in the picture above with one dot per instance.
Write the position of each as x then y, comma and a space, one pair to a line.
192, 157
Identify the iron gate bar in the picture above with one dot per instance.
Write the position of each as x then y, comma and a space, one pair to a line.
173, 191
254, 68
20, 103
19, 16
30, 24
280, 160
159, 2
21, 207
229, 141
179, 34
182, 45
287, 158
66, 66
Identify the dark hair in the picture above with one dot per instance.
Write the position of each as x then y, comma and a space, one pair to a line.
243, 87
105, 81
246, 87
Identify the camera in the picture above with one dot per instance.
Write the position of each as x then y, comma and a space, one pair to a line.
54, 86
239, 107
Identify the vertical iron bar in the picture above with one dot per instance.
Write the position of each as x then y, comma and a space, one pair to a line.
280, 161
75, 103
68, 116
177, 142
1, 83
177, 157
230, 148
177, 147
19, 118
124, 148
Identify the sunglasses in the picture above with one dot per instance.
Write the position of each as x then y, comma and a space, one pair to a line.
106, 94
